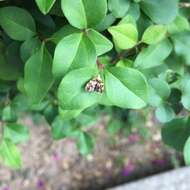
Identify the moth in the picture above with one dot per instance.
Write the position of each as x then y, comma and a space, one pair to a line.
95, 85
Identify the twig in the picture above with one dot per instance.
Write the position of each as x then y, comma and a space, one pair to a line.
123, 53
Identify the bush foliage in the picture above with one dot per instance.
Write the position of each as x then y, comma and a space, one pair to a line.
69, 60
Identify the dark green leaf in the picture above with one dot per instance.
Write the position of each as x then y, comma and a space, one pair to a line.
38, 75
176, 132
17, 23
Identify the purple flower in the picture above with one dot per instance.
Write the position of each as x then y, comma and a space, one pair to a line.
56, 156
40, 184
6, 188
159, 162
128, 169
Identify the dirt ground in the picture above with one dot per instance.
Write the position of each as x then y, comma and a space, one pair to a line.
50, 165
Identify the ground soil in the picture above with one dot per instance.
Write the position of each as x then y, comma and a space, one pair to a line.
50, 165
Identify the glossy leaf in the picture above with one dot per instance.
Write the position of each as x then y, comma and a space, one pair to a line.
101, 43
84, 13
154, 34
125, 36
126, 92
72, 52
71, 92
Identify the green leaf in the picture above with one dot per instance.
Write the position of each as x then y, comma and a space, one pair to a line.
85, 143
9, 154
63, 32
101, 43
186, 96
105, 23
29, 47
69, 114
72, 52
165, 113
134, 11
114, 126
17, 23
61, 128
125, 36
186, 152
182, 45
38, 75
9, 114
10, 67
161, 87
71, 92
180, 24
126, 92
118, 7
45, 5
153, 55
84, 13
176, 132
16, 132
160, 12
154, 34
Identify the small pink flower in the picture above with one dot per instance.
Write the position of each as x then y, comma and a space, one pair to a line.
133, 138
6, 188
56, 156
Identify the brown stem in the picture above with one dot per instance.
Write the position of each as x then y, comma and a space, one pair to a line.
122, 54
100, 65
184, 5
